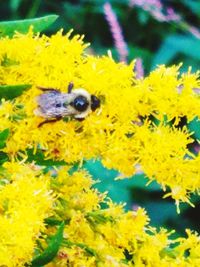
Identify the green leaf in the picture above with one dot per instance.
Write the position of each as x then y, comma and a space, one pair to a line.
164, 55
52, 221
8, 28
169, 252
194, 126
88, 250
12, 91
144, 54
52, 249
120, 190
98, 217
193, 5
3, 157
3, 136
175, 44
14, 4
7, 62
154, 208
39, 159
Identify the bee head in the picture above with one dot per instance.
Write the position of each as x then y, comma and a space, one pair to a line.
83, 102
80, 101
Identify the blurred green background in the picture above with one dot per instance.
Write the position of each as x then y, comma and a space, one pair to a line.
150, 33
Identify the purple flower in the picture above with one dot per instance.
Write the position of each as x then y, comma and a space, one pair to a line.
156, 9
194, 31
138, 68
164, 14
116, 31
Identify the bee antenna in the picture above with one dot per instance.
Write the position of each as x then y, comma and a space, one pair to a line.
70, 87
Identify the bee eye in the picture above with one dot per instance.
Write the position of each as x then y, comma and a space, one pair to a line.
80, 103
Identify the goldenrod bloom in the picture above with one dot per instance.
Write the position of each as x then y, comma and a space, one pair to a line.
25, 201
93, 236
120, 132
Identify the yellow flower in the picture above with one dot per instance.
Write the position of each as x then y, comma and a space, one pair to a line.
164, 156
92, 236
24, 203
117, 132
121, 133
75, 190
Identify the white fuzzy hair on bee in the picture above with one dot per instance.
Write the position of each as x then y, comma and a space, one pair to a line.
54, 105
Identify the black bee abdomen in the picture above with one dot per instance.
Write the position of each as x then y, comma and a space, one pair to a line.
95, 102
80, 103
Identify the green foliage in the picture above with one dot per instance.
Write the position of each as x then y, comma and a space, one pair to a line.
194, 126
88, 250
135, 192
8, 28
52, 249
193, 5
3, 157
39, 159
174, 45
3, 137
12, 91
118, 190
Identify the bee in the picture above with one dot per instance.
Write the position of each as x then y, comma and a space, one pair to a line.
54, 105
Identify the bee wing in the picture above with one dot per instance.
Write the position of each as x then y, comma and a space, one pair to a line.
50, 90
53, 104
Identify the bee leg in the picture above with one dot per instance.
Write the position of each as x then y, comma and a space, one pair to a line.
49, 121
70, 87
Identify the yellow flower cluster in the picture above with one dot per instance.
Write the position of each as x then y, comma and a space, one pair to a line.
25, 201
93, 236
109, 236
121, 132
137, 124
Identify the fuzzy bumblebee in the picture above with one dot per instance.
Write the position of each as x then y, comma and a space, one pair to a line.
54, 105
